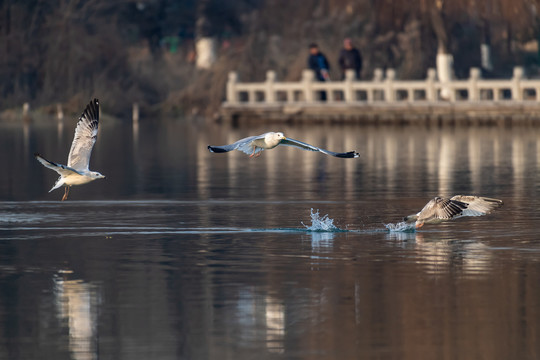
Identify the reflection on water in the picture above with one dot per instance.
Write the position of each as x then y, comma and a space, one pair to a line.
77, 304
256, 313
181, 253
322, 241
442, 252
393, 161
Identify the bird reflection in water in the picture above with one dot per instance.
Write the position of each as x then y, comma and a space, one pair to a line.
439, 253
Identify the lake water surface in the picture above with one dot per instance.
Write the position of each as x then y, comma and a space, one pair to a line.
184, 254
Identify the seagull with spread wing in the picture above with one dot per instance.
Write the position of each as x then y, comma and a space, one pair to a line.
254, 145
440, 209
76, 172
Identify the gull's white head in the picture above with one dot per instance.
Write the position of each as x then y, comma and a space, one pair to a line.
95, 175
272, 139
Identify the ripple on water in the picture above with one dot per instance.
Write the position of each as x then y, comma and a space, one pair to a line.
401, 227
21, 218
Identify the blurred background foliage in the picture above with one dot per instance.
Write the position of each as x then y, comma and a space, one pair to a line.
66, 51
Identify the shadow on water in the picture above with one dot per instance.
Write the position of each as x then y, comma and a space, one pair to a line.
181, 253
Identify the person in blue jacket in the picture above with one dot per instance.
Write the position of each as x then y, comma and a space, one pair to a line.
318, 63
320, 66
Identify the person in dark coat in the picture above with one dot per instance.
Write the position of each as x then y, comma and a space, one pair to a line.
318, 63
350, 58
320, 66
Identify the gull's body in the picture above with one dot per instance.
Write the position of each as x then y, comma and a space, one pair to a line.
254, 145
76, 172
440, 209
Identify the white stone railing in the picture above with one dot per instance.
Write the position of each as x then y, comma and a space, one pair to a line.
381, 89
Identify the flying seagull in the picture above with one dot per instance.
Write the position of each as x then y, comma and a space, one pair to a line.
440, 209
254, 145
76, 172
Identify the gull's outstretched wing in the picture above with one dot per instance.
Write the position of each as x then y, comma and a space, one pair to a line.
59, 168
441, 209
304, 146
85, 137
243, 145
476, 205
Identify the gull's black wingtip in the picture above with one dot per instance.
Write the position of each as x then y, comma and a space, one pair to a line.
349, 155
215, 149
91, 111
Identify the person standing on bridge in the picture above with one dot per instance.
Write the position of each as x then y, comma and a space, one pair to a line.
320, 66
318, 63
350, 58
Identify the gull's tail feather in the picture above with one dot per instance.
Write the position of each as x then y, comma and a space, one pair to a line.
53, 166
57, 184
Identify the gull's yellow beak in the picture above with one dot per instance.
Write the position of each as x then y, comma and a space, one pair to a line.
284, 137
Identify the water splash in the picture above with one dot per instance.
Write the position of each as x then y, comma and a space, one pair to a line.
401, 227
319, 223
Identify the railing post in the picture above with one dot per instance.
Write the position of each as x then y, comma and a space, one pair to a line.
496, 94
135, 113
431, 92
451, 91
59, 112
517, 94
377, 78
252, 96
25, 109
389, 94
307, 80
378, 75
232, 94
270, 95
348, 92
474, 76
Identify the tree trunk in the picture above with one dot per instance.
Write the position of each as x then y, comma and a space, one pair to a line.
205, 43
437, 23
444, 61
445, 72
206, 52
485, 48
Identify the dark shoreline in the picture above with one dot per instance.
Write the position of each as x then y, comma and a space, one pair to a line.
481, 113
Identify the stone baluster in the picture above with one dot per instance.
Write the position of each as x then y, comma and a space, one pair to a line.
232, 94
474, 76
389, 93
269, 93
431, 92
350, 76
307, 81
517, 93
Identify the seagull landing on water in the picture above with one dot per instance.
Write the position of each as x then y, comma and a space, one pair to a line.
440, 209
76, 172
254, 145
